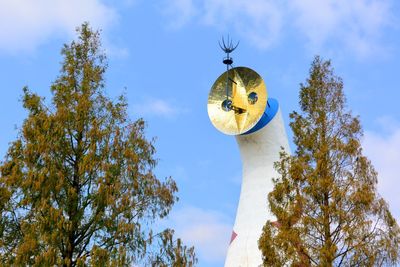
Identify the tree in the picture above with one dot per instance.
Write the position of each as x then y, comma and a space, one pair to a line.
325, 199
77, 187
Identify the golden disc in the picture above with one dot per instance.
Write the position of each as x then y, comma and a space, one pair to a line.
243, 107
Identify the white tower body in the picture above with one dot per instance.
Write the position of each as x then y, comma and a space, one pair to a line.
259, 150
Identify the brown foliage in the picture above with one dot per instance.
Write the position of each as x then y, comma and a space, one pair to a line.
325, 199
77, 186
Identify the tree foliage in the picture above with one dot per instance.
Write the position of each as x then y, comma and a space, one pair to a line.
77, 187
325, 199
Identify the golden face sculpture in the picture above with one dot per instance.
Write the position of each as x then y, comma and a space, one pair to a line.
237, 101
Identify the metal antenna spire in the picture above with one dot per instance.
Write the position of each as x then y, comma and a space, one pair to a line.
228, 47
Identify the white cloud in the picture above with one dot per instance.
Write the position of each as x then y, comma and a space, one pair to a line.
356, 25
26, 24
157, 107
180, 12
207, 230
115, 51
383, 149
259, 20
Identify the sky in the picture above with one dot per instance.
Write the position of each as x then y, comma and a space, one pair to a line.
164, 56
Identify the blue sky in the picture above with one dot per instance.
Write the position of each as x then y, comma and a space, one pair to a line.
164, 55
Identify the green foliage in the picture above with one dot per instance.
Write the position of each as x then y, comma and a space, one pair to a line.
77, 187
325, 199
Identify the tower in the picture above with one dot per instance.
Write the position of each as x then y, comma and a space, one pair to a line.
238, 105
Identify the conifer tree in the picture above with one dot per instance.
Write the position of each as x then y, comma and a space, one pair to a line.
77, 186
325, 199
